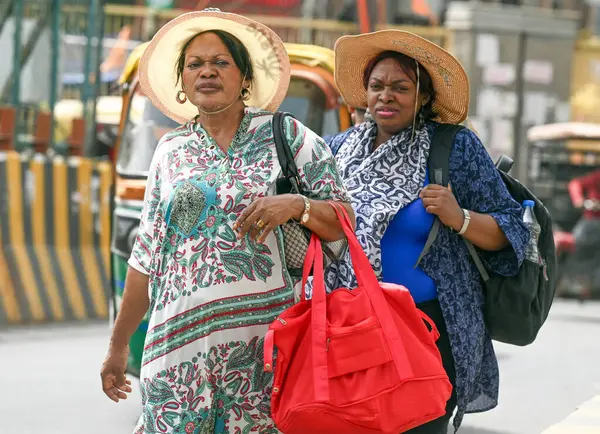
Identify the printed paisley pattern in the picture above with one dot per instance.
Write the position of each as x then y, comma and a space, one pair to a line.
213, 296
478, 187
230, 375
380, 184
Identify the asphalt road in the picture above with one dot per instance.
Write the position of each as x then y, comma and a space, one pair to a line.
49, 379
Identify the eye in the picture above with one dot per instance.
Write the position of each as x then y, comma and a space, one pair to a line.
221, 63
376, 86
401, 89
192, 65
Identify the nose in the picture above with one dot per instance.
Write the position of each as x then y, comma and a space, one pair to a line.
207, 71
386, 95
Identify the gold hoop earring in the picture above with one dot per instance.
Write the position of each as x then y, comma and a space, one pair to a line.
179, 98
245, 94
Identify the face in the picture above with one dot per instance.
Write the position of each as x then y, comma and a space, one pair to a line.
391, 96
211, 79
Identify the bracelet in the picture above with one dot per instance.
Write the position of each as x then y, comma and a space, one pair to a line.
306, 213
466, 222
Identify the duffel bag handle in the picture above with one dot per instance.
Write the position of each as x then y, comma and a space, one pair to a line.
366, 279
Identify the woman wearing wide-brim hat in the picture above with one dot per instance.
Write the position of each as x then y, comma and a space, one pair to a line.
208, 262
410, 86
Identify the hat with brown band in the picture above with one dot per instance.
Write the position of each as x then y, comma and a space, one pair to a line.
269, 58
450, 81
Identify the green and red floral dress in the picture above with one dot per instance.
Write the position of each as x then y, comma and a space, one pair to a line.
212, 296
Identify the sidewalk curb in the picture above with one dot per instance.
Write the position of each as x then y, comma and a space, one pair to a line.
584, 420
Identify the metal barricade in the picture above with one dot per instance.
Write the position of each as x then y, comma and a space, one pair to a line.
54, 238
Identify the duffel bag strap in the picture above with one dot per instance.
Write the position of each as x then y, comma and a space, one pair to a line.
368, 280
268, 351
314, 255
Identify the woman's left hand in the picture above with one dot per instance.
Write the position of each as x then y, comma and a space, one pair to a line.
440, 201
265, 214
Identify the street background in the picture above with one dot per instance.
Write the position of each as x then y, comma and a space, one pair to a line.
73, 169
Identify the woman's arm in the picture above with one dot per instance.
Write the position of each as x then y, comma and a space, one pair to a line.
136, 300
483, 231
320, 182
265, 214
134, 306
479, 188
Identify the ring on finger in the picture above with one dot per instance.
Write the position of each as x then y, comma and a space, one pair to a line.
260, 224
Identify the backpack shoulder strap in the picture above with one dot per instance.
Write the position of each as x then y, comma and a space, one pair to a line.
437, 165
284, 152
439, 153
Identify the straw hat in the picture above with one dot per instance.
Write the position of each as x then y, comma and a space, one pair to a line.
269, 59
450, 81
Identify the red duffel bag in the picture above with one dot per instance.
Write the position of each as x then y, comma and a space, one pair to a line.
354, 362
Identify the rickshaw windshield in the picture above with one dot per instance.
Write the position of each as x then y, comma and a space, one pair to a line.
145, 127
307, 103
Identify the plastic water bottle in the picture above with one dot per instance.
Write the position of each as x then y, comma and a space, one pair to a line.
532, 253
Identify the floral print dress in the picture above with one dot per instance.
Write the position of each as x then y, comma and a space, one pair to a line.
212, 297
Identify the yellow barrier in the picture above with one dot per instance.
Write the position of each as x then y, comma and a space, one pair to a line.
54, 238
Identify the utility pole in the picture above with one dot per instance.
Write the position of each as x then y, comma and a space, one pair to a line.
366, 10
5, 11
17, 54
308, 13
55, 61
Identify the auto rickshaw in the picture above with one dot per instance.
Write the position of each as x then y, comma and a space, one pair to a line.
559, 153
312, 98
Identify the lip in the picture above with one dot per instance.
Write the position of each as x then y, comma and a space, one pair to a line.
386, 112
208, 88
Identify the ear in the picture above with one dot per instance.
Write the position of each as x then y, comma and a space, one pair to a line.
426, 98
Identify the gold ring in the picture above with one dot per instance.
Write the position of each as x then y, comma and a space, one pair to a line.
260, 224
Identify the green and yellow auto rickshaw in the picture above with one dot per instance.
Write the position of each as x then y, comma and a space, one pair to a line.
312, 97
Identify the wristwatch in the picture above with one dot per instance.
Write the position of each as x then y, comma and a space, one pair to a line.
466, 222
306, 213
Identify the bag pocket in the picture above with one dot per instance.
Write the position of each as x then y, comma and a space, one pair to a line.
356, 348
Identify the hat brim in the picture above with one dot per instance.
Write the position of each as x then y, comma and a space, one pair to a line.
450, 81
270, 61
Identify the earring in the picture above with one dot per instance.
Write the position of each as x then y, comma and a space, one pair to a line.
245, 94
179, 98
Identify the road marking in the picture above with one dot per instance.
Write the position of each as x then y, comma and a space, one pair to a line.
584, 420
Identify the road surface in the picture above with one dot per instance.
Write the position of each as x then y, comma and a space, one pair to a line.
49, 379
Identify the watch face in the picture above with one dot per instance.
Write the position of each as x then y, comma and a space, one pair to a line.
305, 218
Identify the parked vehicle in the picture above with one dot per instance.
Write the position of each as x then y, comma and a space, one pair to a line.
312, 98
558, 154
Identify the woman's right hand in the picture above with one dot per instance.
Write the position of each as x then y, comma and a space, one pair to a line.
114, 383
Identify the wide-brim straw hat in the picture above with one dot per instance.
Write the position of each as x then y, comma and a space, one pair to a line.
269, 59
450, 81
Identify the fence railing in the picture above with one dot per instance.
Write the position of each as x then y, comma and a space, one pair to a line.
123, 28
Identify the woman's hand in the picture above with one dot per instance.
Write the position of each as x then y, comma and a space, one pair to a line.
114, 383
440, 201
265, 214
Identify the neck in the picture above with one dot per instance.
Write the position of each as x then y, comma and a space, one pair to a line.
222, 123
383, 136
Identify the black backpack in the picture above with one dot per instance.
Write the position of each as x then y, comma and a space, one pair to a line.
515, 307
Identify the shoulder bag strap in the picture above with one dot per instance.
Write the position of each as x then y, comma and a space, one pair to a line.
284, 153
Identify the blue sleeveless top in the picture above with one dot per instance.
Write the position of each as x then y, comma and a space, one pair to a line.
401, 246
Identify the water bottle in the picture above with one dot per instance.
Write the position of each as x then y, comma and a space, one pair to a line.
531, 253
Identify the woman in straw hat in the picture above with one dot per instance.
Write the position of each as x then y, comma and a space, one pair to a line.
207, 264
410, 85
